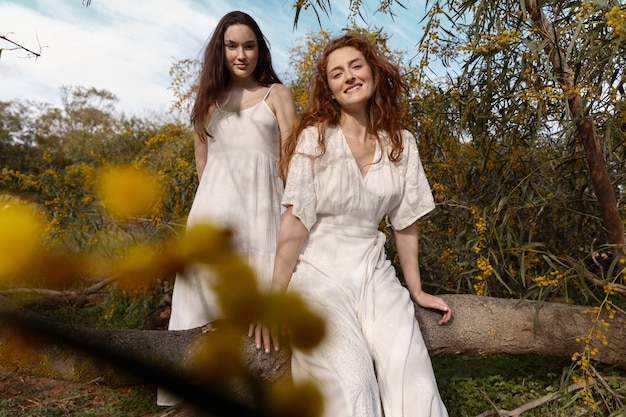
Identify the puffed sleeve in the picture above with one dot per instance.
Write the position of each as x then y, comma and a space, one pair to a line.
417, 198
300, 185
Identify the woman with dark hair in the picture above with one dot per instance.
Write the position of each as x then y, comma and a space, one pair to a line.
348, 164
241, 115
216, 78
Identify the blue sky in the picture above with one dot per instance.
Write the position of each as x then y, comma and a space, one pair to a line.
128, 46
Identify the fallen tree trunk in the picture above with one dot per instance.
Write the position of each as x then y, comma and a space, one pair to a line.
483, 326
33, 344
480, 326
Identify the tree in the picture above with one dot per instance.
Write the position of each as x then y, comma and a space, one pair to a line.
63, 150
15, 139
509, 46
579, 115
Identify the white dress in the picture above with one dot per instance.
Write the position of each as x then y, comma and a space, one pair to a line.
373, 354
240, 189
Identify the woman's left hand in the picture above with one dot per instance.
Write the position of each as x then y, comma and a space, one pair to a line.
426, 300
264, 336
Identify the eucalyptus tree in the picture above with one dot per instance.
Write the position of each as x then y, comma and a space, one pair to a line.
560, 63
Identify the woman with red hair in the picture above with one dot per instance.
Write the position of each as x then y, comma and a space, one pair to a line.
348, 164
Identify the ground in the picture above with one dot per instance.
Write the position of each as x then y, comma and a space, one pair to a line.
22, 396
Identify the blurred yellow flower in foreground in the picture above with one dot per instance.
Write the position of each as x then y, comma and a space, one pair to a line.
203, 243
217, 361
237, 289
139, 268
141, 265
127, 191
302, 400
306, 328
21, 237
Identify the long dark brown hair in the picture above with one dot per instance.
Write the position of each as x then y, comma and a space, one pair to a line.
214, 77
386, 112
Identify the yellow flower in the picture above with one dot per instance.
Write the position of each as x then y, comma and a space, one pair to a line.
306, 329
203, 243
21, 236
127, 191
237, 289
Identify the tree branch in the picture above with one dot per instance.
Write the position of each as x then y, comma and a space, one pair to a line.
19, 47
542, 400
47, 296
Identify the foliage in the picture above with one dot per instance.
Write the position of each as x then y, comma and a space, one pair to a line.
184, 73
465, 383
519, 195
119, 309
522, 213
77, 144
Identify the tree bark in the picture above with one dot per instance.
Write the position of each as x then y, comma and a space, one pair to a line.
585, 126
480, 326
33, 344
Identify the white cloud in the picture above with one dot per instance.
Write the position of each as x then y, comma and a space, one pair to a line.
127, 47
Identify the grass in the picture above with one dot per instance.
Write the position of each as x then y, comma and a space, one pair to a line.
467, 384
120, 310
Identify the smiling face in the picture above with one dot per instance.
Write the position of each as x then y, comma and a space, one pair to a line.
350, 78
241, 51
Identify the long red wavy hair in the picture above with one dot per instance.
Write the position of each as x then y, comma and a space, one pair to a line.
386, 112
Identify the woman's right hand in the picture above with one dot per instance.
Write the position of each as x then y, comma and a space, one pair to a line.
290, 239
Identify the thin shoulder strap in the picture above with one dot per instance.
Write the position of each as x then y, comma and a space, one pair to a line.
268, 92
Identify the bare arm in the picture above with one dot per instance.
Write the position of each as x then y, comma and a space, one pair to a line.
290, 239
407, 242
281, 103
200, 150
292, 232
200, 154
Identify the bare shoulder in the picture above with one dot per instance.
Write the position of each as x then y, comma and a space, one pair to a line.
211, 111
281, 103
279, 96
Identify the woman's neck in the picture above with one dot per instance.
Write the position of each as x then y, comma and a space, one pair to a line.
240, 96
243, 84
354, 126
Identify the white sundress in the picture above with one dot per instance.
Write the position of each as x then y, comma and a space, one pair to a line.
240, 189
